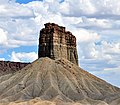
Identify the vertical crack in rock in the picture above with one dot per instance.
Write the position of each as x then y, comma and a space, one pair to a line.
55, 42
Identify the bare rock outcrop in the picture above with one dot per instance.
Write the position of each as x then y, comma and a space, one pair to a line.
55, 42
10, 67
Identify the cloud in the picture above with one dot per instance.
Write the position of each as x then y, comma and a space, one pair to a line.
6, 1
23, 56
83, 35
3, 40
22, 22
3, 36
14, 10
104, 53
77, 8
2, 59
91, 8
95, 24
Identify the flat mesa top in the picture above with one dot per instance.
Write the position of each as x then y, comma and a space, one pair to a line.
55, 42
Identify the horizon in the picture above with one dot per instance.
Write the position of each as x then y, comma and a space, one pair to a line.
95, 27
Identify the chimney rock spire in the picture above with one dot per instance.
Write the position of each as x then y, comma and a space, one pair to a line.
55, 42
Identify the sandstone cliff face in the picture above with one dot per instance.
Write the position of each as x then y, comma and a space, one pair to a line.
10, 67
55, 42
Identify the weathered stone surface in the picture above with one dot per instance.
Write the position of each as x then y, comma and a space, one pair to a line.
55, 42
10, 67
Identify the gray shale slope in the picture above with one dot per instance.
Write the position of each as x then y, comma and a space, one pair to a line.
57, 80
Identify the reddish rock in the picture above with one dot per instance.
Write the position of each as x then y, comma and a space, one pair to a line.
10, 67
55, 42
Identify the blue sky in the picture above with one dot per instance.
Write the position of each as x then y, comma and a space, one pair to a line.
95, 23
26, 1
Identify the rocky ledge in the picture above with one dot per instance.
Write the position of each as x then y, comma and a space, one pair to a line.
11, 67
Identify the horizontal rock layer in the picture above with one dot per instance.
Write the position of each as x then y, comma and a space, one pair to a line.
55, 42
10, 67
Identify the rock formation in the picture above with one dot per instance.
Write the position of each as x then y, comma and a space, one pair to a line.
56, 80
10, 67
55, 42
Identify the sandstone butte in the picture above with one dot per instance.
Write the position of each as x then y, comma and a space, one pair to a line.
55, 42
55, 77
